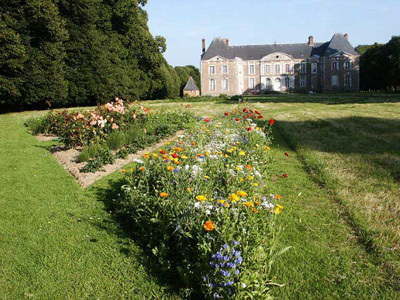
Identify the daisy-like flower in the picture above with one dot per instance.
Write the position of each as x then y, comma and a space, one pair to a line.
164, 195
242, 194
201, 198
209, 225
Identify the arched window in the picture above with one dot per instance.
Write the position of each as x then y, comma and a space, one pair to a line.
212, 85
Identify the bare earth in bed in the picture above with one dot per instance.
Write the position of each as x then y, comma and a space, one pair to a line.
68, 159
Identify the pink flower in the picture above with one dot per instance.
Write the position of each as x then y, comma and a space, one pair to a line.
114, 126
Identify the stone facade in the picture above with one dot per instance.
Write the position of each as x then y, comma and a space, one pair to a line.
319, 67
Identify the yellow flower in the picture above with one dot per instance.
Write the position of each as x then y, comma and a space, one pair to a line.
206, 177
201, 198
242, 153
167, 143
131, 170
266, 148
207, 153
184, 157
231, 150
189, 190
155, 155
209, 226
241, 180
250, 178
219, 153
177, 162
164, 195
221, 201
146, 155
242, 194
124, 171
256, 184
233, 197
249, 204
238, 168
226, 155
278, 209
170, 168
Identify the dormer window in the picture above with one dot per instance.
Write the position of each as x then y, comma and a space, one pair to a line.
212, 69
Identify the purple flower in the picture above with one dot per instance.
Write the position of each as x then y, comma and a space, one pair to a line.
237, 272
235, 243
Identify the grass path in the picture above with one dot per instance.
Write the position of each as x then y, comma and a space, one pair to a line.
56, 240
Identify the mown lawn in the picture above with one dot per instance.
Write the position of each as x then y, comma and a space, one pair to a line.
341, 213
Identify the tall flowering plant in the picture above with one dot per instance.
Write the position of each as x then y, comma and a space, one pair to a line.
202, 205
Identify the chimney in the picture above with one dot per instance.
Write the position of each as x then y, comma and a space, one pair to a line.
226, 42
311, 41
346, 36
204, 45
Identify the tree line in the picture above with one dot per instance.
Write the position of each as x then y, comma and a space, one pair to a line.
57, 53
380, 66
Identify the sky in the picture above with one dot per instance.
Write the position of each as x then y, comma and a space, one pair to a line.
253, 22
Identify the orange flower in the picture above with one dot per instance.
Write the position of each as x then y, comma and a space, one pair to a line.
124, 171
164, 195
248, 167
146, 155
209, 226
141, 168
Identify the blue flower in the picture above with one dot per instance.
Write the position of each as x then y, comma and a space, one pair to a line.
225, 273
226, 246
205, 278
238, 260
176, 170
235, 243
237, 272
216, 295
229, 283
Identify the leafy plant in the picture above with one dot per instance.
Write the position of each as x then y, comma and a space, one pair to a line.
102, 157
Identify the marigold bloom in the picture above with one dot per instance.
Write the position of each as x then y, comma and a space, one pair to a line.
177, 162
266, 148
146, 155
170, 168
124, 171
184, 157
248, 166
242, 194
248, 204
278, 209
233, 197
201, 198
141, 168
164, 195
209, 226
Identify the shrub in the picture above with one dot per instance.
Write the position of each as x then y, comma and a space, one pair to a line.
102, 157
116, 140
36, 125
123, 153
89, 152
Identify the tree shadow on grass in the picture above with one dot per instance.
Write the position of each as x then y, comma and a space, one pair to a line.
376, 140
328, 98
109, 194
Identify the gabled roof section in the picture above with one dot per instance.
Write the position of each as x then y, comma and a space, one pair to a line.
339, 43
190, 85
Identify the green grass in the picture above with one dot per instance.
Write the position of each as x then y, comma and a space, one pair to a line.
341, 204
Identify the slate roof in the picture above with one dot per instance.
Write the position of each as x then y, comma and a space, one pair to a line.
190, 85
256, 52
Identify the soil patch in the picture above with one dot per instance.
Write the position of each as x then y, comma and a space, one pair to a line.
68, 159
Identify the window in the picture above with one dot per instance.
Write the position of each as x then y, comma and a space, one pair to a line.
268, 69
251, 69
268, 84
212, 85
225, 69
335, 80
302, 68
287, 82
314, 68
347, 80
347, 65
335, 66
303, 81
251, 85
212, 69
277, 69
225, 84
287, 68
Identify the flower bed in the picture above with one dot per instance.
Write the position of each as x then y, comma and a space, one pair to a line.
202, 207
111, 131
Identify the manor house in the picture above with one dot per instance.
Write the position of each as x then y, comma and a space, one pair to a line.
304, 67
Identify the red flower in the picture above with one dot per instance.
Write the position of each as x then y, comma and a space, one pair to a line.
285, 175
287, 154
271, 121
260, 117
226, 114
237, 119
256, 112
244, 117
249, 129
207, 120
162, 151
174, 155
245, 110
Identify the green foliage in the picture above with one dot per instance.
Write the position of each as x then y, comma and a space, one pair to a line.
102, 157
184, 74
89, 152
116, 140
36, 125
59, 53
380, 65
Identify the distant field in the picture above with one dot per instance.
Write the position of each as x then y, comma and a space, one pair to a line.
341, 208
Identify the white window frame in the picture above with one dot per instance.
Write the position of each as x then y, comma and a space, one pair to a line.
336, 64
287, 68
227, 69
277, 69
303, 81
225, 87
268, 69
252, 83
303, 68
337, 80
287, 80
314, 68
212, 85
213, 68
347, 65
252, 72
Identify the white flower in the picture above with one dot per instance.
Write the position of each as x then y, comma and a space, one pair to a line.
267, 205
208, 212
197, 205
139, 161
